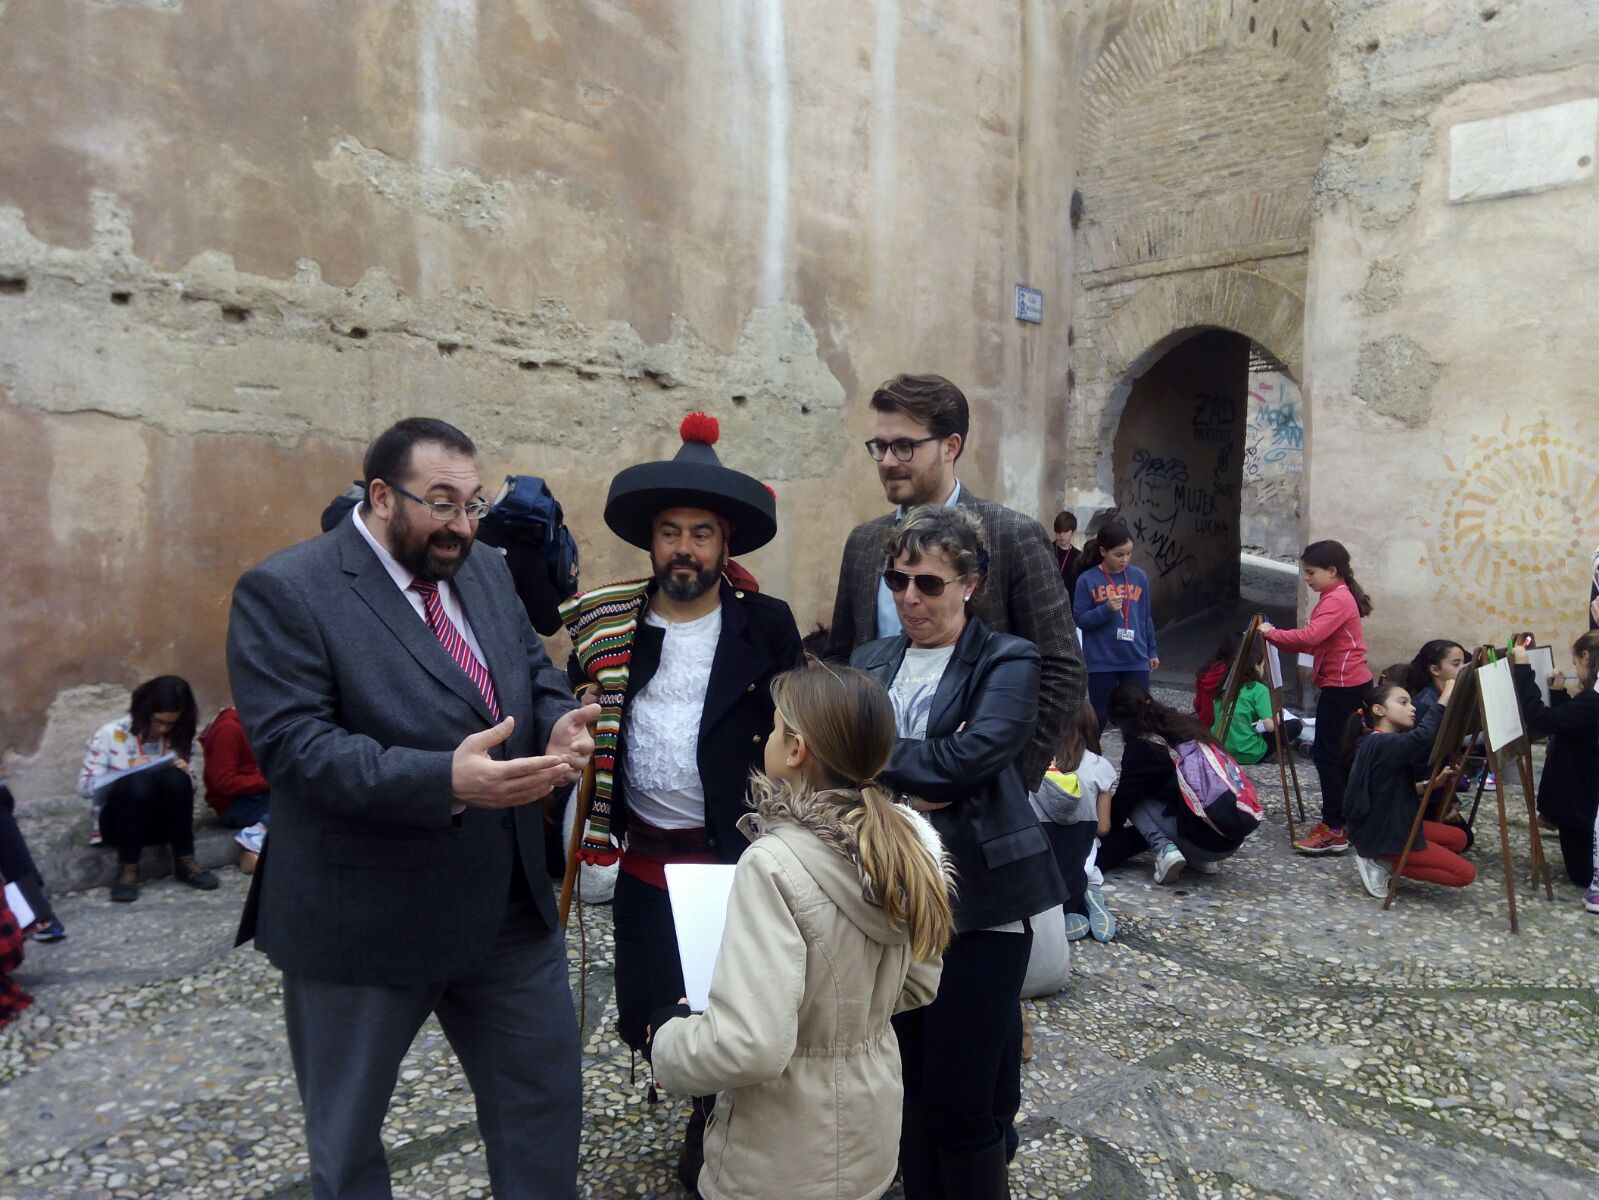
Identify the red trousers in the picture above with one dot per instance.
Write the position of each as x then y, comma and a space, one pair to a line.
1440, 862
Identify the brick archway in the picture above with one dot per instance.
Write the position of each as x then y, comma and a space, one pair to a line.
1173, 308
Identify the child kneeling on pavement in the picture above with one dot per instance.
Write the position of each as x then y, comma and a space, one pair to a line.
1382, 797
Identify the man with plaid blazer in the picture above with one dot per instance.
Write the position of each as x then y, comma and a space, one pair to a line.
922, 422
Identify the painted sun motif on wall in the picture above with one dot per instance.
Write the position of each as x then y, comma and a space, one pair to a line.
1517, 520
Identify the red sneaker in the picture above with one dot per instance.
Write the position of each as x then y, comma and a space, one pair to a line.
1322, 840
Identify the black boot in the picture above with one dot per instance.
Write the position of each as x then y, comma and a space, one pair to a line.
979, 1176
692, 1157
918, 1160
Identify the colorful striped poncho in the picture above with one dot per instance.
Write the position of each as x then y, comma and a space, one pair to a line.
602, 624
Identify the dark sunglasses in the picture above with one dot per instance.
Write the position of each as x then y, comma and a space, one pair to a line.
927, 585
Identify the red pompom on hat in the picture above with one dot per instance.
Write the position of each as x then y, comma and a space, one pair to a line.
700, 427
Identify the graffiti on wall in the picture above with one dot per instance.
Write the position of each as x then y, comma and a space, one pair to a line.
1273, 434
1215, 418
1168, 508
1517, 521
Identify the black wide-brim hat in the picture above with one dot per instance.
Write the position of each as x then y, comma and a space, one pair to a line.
696, 478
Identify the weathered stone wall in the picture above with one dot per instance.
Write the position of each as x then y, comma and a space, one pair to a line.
1201, 128
1450, 363
237, 240
1179, 461
1274, 464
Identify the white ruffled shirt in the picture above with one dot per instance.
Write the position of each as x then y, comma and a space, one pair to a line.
663, 726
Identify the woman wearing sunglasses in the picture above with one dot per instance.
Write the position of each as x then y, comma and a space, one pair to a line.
965, 701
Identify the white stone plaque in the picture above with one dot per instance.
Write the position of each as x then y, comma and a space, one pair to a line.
1523, 152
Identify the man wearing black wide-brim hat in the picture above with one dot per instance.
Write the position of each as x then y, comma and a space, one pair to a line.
682, 661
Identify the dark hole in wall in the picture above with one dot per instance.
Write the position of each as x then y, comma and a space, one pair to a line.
355, 331
235, 315
805, 410
121, 297
13, 287
1372, 46
448, 348
1071, 335
1076, 209
1251, 24
527, 364
1304, 24
1274, 35
1488, 14
740, 401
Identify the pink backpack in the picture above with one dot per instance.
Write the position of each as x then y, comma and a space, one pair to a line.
1216, 789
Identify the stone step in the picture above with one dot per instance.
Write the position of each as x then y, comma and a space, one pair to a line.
57, 831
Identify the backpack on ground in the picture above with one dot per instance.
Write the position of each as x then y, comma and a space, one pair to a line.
1216, 789
527, 513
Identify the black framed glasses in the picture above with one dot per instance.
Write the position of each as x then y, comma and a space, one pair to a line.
903, 449
446, 510
927, 585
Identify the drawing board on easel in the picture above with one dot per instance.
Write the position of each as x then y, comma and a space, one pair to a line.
1252, 646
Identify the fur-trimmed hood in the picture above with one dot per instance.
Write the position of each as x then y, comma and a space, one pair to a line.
812, 825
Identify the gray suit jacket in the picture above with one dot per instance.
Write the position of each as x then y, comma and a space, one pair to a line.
354, 710
1022, 595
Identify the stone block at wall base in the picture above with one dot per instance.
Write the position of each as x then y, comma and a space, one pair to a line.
58, 837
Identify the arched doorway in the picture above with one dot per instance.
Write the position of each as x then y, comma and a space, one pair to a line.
1206, 461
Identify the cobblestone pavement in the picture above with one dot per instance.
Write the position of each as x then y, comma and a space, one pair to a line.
1267, 1031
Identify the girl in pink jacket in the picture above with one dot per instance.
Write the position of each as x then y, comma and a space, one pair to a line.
1338, 649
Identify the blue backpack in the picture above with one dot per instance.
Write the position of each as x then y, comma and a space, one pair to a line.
526, 513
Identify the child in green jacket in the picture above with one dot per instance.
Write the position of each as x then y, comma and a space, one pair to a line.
1248, 739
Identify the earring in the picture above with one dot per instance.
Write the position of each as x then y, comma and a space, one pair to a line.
968, 598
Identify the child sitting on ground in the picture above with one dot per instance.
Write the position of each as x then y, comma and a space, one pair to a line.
1246, 739
1381, 798
1072, 805
1209, 679
1568, 793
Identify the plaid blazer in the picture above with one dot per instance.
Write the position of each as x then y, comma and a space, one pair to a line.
1022, 595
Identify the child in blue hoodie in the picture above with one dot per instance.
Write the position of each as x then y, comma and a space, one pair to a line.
1112, 607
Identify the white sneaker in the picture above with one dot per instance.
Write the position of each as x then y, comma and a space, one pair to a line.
1207, 868
252, 837
1169, 864
1375, 875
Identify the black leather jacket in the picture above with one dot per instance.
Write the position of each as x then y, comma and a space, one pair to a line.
1003, 862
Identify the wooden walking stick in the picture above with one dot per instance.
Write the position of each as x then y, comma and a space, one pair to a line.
585, 797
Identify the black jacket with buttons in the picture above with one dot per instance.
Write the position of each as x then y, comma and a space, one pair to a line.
759, 640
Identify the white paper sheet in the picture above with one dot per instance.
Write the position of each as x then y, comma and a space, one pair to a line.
1307, 661
1274, 666
698, 893
110, 777
1542, 660
1502, 713
19, 906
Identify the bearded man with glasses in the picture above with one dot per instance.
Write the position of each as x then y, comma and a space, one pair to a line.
922, 423
408, 719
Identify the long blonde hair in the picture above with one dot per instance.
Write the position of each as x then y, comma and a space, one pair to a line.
847, 721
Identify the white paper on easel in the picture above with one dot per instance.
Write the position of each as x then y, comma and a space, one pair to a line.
19, 906
1501, 712
1542, 661
698, 892
1274, 665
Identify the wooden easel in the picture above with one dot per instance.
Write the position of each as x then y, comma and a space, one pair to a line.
1241, 670
1463, 719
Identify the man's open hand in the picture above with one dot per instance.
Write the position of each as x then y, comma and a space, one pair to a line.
485, 782
572, 739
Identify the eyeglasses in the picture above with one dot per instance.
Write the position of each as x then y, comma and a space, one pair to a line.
904, 448
927, 585
444, 510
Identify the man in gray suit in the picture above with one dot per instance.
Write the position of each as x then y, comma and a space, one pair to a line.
408, 720
922, 423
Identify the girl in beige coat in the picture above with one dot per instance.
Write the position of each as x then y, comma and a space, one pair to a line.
839, 915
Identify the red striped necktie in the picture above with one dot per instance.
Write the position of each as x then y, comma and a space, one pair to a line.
452, 641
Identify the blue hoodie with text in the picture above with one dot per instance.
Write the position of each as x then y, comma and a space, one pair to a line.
1102, 649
